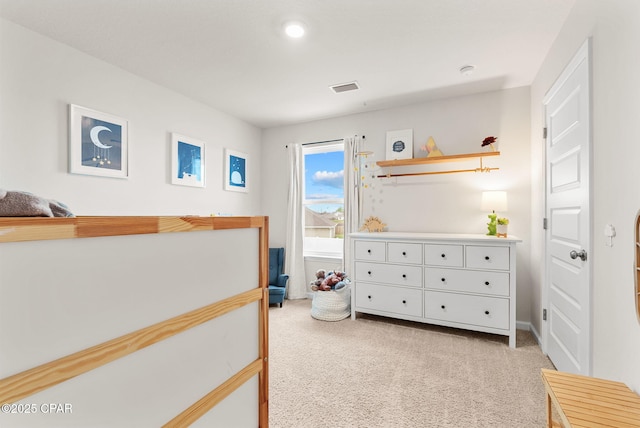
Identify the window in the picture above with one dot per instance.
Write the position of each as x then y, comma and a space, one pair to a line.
324, 199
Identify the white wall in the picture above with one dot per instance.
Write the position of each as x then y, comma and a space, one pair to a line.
615, 30
441, 203
40, 78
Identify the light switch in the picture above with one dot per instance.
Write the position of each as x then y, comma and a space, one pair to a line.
609, 233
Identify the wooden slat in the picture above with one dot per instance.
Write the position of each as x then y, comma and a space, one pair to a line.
596, 389
263, 345
584, 401
90, 227
587, 400
184, 224
597, 415
206, 403
220, 223
604, 399
19, 229
573, 379
21, 385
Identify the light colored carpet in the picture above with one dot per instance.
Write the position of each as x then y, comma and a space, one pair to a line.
379, 372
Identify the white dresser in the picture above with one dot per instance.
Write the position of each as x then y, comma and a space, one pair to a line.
456, 280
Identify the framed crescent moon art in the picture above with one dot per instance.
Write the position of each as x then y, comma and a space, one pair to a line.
98, 143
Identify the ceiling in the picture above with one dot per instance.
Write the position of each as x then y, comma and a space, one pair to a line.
232, 54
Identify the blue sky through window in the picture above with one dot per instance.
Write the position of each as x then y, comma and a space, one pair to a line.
324, 178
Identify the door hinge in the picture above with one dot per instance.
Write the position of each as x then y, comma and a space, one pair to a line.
544, 315
544, 132
545, 223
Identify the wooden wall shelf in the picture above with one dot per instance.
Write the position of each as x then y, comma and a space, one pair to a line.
438, 159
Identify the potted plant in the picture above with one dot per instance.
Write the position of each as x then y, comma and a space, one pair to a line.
489, 142
501, 227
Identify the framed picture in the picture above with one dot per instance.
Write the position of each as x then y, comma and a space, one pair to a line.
98, 143
399, 144
187, 161
235, 171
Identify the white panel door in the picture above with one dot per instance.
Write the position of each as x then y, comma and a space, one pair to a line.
567, 287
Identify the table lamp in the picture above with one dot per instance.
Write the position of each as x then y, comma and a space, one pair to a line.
495, 200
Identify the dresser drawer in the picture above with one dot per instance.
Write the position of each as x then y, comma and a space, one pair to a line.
443, 255
486, 257
402, 252
471, 281
483, 311
389, 274
398, 300
370, 250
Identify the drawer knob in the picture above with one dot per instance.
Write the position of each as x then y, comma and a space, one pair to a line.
486, 312
404, 302
369, 272
369, 251
442, 306
404, 253
443, 279
369, 297
443, 255
486, 283
486, 257
404, 275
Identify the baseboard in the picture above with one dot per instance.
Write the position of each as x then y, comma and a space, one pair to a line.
536, 335
523, 325
527, 326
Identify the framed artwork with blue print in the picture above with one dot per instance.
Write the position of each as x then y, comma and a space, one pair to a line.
98, 143
187, 161
235, 171
399, 144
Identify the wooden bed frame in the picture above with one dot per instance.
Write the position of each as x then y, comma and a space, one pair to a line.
24, 384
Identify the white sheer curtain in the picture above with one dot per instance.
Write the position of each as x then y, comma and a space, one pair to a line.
352, 202
294, 253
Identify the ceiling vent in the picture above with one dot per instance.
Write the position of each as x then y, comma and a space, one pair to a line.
344, 87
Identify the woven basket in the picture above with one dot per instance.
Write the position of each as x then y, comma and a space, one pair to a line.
331, 305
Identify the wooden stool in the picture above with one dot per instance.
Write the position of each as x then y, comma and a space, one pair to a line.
583, 401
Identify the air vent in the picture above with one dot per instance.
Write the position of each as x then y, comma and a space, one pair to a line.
344, 87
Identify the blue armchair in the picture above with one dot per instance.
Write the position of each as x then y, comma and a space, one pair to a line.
277, 279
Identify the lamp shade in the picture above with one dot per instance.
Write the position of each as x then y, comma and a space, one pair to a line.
495, 200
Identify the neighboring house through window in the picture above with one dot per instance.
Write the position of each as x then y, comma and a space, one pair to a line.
324, 199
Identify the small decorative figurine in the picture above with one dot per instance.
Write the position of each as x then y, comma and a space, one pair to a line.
431, 148
492, 225
373, 224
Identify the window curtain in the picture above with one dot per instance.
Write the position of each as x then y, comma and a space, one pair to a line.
352, 202
294, 252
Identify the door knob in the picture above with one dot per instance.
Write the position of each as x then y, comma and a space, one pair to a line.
575, 254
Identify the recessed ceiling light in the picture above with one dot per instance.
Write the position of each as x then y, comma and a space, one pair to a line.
294, 30
467, 70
